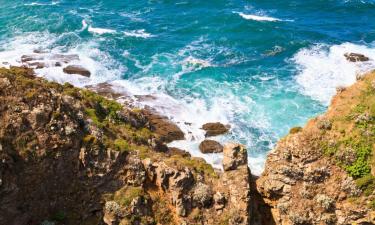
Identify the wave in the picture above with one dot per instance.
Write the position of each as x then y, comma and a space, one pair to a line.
138, 33
96, 30
220, 103
100, 30
259, 18
101, 65
42, 4
322, 68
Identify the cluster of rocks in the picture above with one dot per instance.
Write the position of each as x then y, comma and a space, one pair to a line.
40, 60
213, 129
53, 155
356, 57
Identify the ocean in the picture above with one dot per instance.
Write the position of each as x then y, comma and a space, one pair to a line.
261, 66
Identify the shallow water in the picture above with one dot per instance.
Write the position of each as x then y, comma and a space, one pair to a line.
261, 66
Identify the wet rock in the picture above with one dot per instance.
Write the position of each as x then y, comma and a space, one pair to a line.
33, 57
166, 130
356, 57
234, 155
210, 146
76, 69
37, 65
214, 129
65, 58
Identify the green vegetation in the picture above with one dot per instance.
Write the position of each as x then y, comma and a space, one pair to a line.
366, 184
126, 195
196, 164
162, 214
59, 216
295, 130
353, 141
121, 145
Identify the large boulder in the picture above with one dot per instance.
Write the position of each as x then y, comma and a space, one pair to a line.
75, 69
166, 130
214, 129
210, 146
235, 155
355, 57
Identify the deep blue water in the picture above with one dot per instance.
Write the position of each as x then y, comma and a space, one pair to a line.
261, 66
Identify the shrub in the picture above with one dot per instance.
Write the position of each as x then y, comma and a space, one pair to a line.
366, 184
295, 130
121, 145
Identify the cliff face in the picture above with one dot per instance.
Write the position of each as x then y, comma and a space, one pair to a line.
70, 156
324, 173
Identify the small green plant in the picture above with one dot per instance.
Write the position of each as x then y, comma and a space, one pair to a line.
121, 145
366, 184
126, 195
295, 130
59, 216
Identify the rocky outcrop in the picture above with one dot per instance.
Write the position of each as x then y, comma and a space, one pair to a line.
236, 180
76, 69
71, 156
356, 57
210, 146
318, 175
214, 129
162, 126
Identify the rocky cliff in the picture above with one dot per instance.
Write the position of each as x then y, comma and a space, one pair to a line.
72, 156
324, 173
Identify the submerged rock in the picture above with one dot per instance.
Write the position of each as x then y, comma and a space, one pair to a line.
355, 57
214, 129
210, 146
75, 69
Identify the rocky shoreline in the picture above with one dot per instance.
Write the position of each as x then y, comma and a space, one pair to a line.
75, 156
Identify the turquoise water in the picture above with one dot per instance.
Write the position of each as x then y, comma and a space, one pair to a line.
261, 66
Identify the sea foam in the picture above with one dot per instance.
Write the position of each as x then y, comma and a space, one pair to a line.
141, 33
258, 17
322, 68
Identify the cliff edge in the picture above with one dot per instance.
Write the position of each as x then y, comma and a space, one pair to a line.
324, 173
72, 156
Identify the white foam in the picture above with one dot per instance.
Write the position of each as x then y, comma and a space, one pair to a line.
138, 33
100, 64
97, 30
41, 4
258, 17
322, 68
189, 112
84, 25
